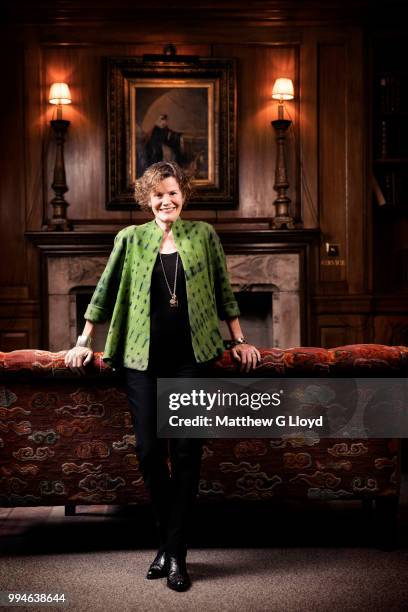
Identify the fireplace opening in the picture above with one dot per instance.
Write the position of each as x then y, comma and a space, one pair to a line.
255, 306
256, 317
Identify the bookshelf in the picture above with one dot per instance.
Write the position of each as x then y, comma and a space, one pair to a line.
390, 164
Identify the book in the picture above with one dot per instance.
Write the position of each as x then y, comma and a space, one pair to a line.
379, 196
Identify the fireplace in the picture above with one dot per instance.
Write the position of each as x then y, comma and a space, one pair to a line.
268, 271
266, 288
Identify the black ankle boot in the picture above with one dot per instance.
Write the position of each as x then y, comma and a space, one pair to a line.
177, 578
159, 567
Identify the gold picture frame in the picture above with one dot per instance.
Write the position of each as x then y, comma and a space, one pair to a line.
178, 110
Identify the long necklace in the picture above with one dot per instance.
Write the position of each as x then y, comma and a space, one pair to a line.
173, 296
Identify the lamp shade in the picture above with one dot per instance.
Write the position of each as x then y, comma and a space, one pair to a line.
59, 94
283, 89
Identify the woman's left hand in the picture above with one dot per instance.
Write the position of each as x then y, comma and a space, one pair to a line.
247, 354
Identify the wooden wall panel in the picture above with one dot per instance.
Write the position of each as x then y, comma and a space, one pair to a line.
12, 169
326, 64
358, 228
332, 330
332, 108
19, 325
341, 155
85, 150
391, 329
19, 322
308, 164
35, 155
82, 67
13, 341
258, 67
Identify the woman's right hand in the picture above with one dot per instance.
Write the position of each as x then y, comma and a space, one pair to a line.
78, 357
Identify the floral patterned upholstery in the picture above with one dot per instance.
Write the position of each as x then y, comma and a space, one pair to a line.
69, 439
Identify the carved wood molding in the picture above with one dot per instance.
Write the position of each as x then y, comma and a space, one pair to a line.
359, 304
233, 240
65, 12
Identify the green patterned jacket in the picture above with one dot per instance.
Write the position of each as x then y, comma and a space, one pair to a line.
123, 291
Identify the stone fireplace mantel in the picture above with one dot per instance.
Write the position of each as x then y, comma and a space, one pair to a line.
259, 261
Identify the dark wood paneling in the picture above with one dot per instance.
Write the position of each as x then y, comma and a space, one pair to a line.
83, 68
14, 340
258, 67
332, 331
19, 323
344, 304
189, 13
85, 149
308, 118
327, 66
332, 336
332, 105
358, 228
19, 317
341, 153
391, 329
12, 168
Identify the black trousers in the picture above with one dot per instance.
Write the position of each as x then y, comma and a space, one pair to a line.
172, 493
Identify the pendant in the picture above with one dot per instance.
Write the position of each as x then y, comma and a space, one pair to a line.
173, 301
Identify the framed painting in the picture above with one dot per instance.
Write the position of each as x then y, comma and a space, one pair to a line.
183, 111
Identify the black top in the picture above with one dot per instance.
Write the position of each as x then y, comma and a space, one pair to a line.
169, 326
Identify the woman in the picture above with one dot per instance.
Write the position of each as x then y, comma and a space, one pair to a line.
164, 287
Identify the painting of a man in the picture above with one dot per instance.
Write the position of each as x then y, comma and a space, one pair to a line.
172, 124
163, 144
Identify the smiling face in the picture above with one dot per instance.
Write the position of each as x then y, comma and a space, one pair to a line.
166, 202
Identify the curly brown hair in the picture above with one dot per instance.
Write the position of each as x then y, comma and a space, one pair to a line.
157, 173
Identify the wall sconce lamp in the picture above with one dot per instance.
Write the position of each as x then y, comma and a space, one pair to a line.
59, 95
282, 90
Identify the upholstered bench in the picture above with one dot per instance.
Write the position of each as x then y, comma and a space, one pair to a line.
68, 440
